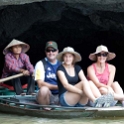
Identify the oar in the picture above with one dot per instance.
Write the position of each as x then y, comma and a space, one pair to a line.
11, 77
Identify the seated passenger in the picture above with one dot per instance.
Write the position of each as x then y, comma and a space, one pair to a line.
102, 74
45, 76
74, 89
16, 61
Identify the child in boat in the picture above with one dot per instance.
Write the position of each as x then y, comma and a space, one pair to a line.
74, 89
102, 74
16, 61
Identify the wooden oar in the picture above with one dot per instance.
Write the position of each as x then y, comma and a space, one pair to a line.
11, 77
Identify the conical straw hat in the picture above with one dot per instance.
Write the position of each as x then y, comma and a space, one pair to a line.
14, 42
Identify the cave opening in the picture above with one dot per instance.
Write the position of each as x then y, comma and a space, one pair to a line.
68, 28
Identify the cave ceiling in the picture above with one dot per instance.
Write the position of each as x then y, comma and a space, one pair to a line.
20, 16
30, 20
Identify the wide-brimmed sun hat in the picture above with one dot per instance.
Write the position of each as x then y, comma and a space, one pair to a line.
14, 42
69, 50
99, 49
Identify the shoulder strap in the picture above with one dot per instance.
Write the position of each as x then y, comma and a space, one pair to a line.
44, 63
59, 62
106, 67
77, 67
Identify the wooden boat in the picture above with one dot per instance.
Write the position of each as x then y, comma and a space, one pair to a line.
26, 105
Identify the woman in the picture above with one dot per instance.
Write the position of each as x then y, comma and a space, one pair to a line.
102, 74
74, 89
16, 61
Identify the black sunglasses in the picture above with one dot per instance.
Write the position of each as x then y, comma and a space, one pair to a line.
51, 50
102, 54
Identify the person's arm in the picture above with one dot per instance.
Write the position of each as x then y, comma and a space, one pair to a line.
40, 76
28, 65
93, 78
50, 86
112, 70
65, 83
9, 63
82, 76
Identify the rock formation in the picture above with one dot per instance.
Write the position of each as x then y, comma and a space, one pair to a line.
82, 24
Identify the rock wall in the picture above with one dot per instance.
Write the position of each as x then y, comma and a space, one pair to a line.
78, 23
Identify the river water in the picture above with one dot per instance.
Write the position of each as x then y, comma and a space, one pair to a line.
15, 119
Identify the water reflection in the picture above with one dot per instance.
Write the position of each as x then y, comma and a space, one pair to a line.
15, 119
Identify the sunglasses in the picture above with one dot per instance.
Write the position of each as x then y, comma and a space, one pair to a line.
102, 54
51, 50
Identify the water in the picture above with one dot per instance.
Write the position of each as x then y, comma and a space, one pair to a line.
15, 119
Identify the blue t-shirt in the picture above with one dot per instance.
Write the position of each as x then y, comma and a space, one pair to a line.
50, 74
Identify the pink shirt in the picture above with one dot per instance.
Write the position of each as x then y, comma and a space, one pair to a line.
102, 77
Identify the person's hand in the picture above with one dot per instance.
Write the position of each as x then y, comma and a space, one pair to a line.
110, 90
80, 92
26, 73
21, 70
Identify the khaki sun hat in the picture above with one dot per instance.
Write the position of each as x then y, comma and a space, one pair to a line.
99, 49
14, 42
69, 50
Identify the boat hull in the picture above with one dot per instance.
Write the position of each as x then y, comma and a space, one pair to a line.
32, 109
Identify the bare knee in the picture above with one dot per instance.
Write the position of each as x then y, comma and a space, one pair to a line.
117, 88
43, 92
116, 83
43, 96
91, 84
